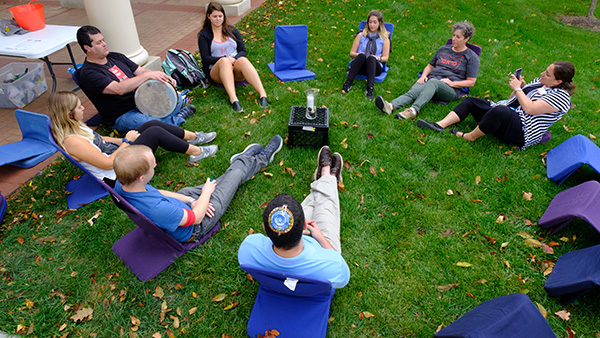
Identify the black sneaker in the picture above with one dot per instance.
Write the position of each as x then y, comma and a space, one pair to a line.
273, 147
235, 105
187, 111
430, 125
346, 87
264, 102
369, 92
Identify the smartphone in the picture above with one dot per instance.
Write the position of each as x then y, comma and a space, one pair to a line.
212, 178
518, 73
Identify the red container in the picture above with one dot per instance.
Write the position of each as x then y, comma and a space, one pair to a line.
30, 16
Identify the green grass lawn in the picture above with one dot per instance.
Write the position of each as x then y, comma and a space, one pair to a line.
402, 231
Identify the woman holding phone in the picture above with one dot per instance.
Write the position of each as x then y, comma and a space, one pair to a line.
521, 120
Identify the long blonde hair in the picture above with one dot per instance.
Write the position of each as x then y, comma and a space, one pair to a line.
61, 106
382, 32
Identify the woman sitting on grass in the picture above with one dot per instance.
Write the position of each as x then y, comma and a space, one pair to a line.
370, 49
523, 119
452, 67
224, 56
96, 153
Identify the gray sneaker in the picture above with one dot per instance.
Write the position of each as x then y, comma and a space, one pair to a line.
202, 137
250, 150
206, 152
273, 147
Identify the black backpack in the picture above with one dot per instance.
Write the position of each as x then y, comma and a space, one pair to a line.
182, 66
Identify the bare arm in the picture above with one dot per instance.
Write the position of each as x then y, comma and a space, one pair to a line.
315, 232
529, 107
385, 54
425, 76
141, 75
468, 83
354, 50
82, 150
201, 207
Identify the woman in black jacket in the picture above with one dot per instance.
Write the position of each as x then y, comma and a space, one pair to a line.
224, 55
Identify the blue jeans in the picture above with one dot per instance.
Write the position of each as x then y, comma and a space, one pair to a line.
134, 118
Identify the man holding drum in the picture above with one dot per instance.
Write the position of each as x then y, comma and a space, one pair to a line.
110, 80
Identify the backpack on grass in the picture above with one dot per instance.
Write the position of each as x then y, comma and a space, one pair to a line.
182, 66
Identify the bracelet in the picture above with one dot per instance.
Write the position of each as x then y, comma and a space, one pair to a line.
518, 90
191, 201
126, 141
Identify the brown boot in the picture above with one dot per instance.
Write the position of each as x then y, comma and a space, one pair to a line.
337, 166
323, 160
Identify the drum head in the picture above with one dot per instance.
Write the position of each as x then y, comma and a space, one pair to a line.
156, 98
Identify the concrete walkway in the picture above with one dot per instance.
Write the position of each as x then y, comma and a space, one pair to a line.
161, 24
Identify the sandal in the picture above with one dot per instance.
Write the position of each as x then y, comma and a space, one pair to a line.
455, 132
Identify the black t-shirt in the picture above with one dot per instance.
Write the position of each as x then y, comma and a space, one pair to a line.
93, 78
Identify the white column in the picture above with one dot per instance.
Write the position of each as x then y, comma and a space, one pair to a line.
234, 7
115, 19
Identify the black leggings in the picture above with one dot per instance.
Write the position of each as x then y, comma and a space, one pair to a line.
363, 65
156, 134
500, 121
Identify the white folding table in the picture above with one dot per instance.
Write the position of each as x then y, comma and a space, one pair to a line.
40, 44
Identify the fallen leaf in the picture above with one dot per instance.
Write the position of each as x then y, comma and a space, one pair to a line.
158, 293
365, 314
527, 196
528, 222
96, 215
592, 137
570, 332
290, 171
85, 313
373, 171
563, 314
481, 281
344, 124
156, 335
230, 306
525, 235
219, 297
564, 239
476, 201
503, 245
444, 288
192, 311
553, 244
268, 174
464, 264
490, 239
506, 263
135, 321
422, 143
20, 240
477, 179
439, 328
449, 192
533, 243
369, 136
501, 218
542, 309
547, 249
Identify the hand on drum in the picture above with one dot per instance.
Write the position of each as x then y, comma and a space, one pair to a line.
162, 77
132, 135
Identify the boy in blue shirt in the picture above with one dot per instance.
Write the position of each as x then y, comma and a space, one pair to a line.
190, 213
303, 238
